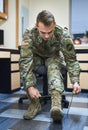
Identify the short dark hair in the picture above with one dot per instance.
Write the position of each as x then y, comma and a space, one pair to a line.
45, 17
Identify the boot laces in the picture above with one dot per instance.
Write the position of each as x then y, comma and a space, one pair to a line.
56, 101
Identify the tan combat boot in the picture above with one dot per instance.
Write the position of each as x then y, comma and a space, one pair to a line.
56, 112
33, 110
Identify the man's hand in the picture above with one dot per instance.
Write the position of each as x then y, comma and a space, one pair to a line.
33, 92
76, 88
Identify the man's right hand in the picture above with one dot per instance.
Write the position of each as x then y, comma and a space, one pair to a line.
33, 92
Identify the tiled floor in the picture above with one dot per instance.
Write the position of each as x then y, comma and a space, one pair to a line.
11, 114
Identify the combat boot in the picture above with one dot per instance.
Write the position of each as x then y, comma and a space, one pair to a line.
56, 111
33, 110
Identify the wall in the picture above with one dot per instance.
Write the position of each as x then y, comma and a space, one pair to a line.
9, 26
60, 9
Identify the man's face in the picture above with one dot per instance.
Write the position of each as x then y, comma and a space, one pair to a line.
46, 32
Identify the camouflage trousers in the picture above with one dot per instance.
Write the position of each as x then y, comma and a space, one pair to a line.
53, 65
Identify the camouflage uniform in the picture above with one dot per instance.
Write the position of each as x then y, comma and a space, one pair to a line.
57, 52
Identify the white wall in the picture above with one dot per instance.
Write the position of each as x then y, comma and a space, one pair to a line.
60, 9
9, 26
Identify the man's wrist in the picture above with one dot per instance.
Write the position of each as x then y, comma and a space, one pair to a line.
75, 83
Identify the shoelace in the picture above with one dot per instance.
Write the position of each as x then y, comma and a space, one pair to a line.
70, 104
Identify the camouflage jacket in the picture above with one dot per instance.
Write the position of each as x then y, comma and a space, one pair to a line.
32, 44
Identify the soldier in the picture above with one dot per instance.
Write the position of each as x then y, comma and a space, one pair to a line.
55, 46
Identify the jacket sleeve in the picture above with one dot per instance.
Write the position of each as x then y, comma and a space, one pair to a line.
26, 61
72, 64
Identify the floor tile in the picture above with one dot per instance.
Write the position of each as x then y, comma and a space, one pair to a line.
6, 123
4, 105
3, 96
85, 128
30, 125
14, 113
44, 116
77, 111
77, 99
11, 99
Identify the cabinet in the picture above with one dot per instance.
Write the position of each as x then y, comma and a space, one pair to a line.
9, 70
82, 57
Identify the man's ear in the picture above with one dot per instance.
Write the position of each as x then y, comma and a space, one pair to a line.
54, 24
36, 25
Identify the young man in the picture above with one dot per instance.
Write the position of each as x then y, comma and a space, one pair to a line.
48, 41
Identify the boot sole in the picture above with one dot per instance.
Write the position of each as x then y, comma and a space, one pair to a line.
31, 117
57, 115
